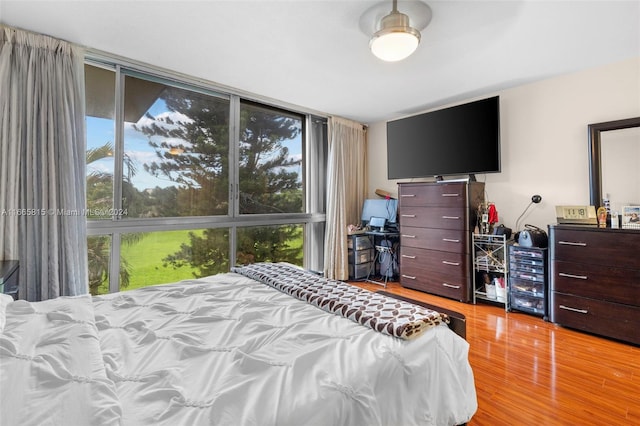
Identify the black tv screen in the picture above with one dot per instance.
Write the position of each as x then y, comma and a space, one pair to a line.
460, 140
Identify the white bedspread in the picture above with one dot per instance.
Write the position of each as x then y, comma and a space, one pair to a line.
222, 350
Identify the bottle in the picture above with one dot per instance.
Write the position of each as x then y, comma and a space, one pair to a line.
615, 222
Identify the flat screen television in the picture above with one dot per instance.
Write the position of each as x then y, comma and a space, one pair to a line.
460, 140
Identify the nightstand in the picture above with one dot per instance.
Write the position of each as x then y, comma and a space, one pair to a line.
9, 272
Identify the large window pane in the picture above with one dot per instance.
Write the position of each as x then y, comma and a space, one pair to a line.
99, 257
168, 256
176, 148
270, 244
100, 107
271, 158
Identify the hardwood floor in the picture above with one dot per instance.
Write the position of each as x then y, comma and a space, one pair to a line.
531, 372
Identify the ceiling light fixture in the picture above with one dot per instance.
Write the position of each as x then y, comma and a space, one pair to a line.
396, 39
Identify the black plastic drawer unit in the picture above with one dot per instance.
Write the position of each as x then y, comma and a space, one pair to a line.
528, 275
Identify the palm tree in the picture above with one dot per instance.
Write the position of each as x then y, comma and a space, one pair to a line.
99, 196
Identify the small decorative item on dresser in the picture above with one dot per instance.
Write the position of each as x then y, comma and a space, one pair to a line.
615, 221
602, 217
631, 217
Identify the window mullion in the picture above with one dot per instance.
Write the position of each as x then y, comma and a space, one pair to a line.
119, 144
114, 264
234, 174
118, 155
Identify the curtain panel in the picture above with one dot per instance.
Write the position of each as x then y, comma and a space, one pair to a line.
346, 191
42, 163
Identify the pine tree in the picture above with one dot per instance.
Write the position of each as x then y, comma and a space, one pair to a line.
201, 174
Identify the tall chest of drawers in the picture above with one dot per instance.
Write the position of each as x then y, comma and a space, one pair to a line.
595, 280
436, 223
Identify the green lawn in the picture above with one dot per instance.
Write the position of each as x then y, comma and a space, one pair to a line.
145, 258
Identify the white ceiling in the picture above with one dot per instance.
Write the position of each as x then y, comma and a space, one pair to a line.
314, 55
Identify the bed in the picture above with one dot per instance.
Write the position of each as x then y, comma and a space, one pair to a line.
267, 344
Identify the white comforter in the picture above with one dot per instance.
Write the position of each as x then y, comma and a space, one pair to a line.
222, 350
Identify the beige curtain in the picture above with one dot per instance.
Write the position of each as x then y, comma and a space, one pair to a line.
346, 191
42, 163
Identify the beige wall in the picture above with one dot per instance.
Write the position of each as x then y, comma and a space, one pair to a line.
543, 140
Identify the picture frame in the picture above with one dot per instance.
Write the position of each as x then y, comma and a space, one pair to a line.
631, 217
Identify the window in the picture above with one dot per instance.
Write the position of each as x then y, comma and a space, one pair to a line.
176, 148
185, 181
100, 123
99, 256
270, 244
148, 258
270, 148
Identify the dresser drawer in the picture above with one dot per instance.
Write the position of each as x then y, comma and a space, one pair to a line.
435, 217
530, 288
523, 274
533, 254
598, 282
436, 194
454, 265
596, 316
526, 303
433, 282
451, 240
594, 247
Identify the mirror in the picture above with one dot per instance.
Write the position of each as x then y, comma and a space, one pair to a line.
614, 155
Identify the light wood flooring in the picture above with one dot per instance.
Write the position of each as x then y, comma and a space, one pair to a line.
532, 372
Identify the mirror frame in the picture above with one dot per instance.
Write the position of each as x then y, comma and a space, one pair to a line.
595, 141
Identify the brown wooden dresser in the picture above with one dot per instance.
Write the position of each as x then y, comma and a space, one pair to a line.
595, 280
436, 223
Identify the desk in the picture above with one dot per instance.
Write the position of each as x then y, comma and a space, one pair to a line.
385, 244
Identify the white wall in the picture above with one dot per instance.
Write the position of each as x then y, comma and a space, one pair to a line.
544, 140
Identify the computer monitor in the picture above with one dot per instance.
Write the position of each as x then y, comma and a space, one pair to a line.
377, 222
385, 208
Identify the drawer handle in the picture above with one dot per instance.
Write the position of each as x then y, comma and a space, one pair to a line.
408, 276
571, 243
451, 217
450, 195
578, 277
408, 215
408, 257
408, 195
408, 236
450, 240
450, 285
568, 308
446, 262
